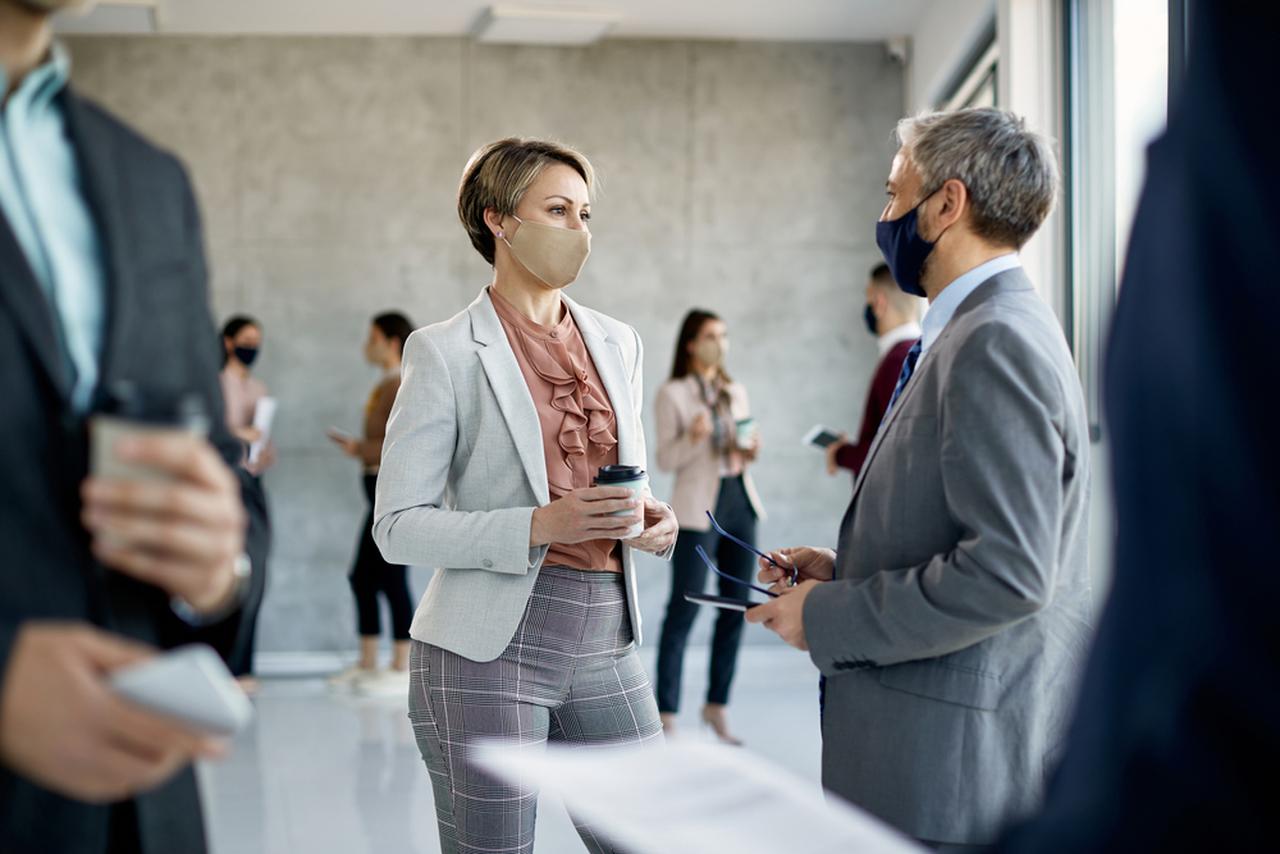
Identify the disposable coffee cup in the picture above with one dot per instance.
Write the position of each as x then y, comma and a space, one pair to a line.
633, 478
132, 413
746, 433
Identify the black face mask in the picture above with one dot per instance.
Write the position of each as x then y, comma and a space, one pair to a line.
246, 355
870, 317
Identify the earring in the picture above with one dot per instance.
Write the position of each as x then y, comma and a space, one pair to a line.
500, 235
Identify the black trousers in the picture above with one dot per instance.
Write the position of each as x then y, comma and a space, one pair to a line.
371, 575
241, 635
688, 573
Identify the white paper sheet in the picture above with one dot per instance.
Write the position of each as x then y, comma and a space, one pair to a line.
695, 798
263, 414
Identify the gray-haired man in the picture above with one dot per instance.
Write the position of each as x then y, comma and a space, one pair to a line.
949, 622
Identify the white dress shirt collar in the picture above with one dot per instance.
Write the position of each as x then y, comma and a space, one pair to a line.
945, 304
906, 332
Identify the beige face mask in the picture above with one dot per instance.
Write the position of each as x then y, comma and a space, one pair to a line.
554, 255
711, 352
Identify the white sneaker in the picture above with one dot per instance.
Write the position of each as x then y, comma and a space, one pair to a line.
383, 683
347, 679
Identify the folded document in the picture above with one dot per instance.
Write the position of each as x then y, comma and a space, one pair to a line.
691, 798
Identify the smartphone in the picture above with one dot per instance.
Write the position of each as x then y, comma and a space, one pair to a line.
820, 436
189, 683
337, 435
723, 602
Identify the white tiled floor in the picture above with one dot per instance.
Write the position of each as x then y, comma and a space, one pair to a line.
321, 773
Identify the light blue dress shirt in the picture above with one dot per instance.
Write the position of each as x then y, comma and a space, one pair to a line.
949, 299
43, 199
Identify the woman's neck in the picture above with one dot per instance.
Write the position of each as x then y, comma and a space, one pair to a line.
391, 365
528, 296
237, 367
708, 373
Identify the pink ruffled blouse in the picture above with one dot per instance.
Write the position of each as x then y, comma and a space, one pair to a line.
579, 432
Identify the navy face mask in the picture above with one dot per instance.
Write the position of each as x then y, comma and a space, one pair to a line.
870, 317
904, 250
246, 355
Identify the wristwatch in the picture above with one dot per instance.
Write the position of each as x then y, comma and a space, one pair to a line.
242, 571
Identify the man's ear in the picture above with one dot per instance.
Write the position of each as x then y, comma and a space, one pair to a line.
878, 302
948, 205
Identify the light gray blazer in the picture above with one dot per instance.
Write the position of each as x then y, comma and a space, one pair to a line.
696, 464
463, 468
961, 608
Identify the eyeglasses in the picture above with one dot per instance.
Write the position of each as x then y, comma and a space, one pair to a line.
795, 572
702, 554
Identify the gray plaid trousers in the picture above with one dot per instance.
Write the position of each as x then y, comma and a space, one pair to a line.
571, 674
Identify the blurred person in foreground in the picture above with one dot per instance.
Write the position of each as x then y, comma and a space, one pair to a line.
1177, 728
102, 292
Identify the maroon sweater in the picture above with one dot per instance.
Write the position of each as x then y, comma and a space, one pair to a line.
851, 456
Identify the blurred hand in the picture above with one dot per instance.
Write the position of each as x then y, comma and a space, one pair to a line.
266, 459
583, 514
350, 445
750, 454
812, 563
700, 427
248, 435
182, 535
832, 450
785, 614
63, 727
660, 528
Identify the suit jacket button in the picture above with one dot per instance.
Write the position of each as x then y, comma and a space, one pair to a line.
486, 563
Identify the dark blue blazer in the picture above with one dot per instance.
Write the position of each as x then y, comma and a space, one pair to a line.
161, 337
1176, 741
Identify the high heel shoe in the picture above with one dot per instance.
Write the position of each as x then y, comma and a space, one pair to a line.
714, 717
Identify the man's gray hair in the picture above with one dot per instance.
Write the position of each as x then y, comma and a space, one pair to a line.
1011, 173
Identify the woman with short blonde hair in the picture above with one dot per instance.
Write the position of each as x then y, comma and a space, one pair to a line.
506, 415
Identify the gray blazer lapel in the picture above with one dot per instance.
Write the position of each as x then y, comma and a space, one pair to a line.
512, 392
889, 418
607, 356
20, 290
1014, 279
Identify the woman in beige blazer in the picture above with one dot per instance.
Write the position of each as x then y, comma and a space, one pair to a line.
706, 436
506, 412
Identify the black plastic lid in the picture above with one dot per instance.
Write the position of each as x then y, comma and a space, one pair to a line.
618, 474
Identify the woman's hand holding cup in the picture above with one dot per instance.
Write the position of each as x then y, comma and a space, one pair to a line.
810, 562
586, 514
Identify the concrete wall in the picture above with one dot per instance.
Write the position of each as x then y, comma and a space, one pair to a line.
745, 178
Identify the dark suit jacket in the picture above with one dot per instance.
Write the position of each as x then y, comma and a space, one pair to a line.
1176, 740
160, 336
883, 383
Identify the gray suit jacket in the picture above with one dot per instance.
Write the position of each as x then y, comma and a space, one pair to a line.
961, 605
463, 470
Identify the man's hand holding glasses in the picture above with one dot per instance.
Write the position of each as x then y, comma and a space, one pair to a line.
809, 562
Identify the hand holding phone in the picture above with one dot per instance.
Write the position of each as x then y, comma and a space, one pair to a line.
189, 684
724, 603
821, 437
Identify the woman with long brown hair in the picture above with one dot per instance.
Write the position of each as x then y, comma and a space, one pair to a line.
707, 437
